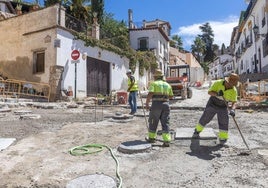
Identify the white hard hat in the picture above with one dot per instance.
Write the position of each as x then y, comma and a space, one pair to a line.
129, 71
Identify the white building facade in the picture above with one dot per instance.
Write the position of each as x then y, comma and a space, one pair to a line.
152, 36
251, 42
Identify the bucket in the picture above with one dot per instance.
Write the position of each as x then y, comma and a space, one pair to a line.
122, 97
69, 93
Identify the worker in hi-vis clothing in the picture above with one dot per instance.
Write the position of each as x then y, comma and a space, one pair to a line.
133, 90
221, 93
159, 92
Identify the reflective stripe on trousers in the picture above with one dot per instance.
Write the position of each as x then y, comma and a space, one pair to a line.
222, 116
159, 111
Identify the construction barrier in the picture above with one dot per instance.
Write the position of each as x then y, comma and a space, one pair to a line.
255, 91
20, 89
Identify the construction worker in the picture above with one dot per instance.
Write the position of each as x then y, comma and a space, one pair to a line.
160, 92
221, 92
133, 90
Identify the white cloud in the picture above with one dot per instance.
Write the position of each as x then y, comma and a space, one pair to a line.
222, 31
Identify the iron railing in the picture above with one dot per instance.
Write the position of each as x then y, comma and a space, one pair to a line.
75, 24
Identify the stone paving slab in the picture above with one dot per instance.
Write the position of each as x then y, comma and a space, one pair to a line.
3, 110
22, 112
5, 142
187, 133
263, 152
30, 116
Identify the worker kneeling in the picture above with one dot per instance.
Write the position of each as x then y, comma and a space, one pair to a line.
159, 92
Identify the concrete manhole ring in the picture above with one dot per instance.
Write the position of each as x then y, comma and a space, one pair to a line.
92, 181
135, 146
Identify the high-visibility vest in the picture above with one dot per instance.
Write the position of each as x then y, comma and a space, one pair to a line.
135, 86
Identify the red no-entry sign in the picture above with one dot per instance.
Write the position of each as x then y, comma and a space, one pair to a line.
75, 54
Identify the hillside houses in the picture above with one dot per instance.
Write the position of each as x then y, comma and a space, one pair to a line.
248, 54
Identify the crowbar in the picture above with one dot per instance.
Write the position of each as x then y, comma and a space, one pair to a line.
143, 110
243, 153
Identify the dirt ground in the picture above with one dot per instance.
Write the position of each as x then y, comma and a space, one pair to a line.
40, 156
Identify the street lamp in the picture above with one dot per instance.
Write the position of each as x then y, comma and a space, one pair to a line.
256, 31
258, 34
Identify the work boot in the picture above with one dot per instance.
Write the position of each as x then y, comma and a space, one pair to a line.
150, 140
165, 144
222, 142
196, 134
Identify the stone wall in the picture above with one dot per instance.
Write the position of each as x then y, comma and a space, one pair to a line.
55, 82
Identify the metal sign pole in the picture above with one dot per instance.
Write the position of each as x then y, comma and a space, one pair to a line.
75, 79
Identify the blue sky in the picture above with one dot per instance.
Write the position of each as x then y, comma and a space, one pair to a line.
185, 16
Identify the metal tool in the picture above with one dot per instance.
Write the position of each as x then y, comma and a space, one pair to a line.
146, 122
240, 133
238, 128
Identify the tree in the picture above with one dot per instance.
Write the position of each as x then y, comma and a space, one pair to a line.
97, 6
208, 37
198, 48
114, 31
176, 42
48, 3
80, 9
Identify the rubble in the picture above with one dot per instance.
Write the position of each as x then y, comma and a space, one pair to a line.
39, 157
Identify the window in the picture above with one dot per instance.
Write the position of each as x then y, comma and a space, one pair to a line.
39, 62
143, 43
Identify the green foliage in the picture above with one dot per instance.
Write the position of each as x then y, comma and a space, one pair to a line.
146, 59
205, 66
112, 28
114, 35
176, 42
208, 37
198, 48
97, 6
48, 3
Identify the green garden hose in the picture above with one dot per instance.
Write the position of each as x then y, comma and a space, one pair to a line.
94, 148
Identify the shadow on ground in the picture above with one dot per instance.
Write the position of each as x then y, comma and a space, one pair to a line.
204, 152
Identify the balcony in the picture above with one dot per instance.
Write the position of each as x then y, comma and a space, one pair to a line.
75, 24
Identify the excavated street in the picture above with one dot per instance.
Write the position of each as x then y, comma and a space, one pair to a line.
40, 155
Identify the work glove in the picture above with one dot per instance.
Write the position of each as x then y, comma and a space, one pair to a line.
220, 93
232, 113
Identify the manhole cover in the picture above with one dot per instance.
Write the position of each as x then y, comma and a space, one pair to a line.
92, 181
135, 146
118, 116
